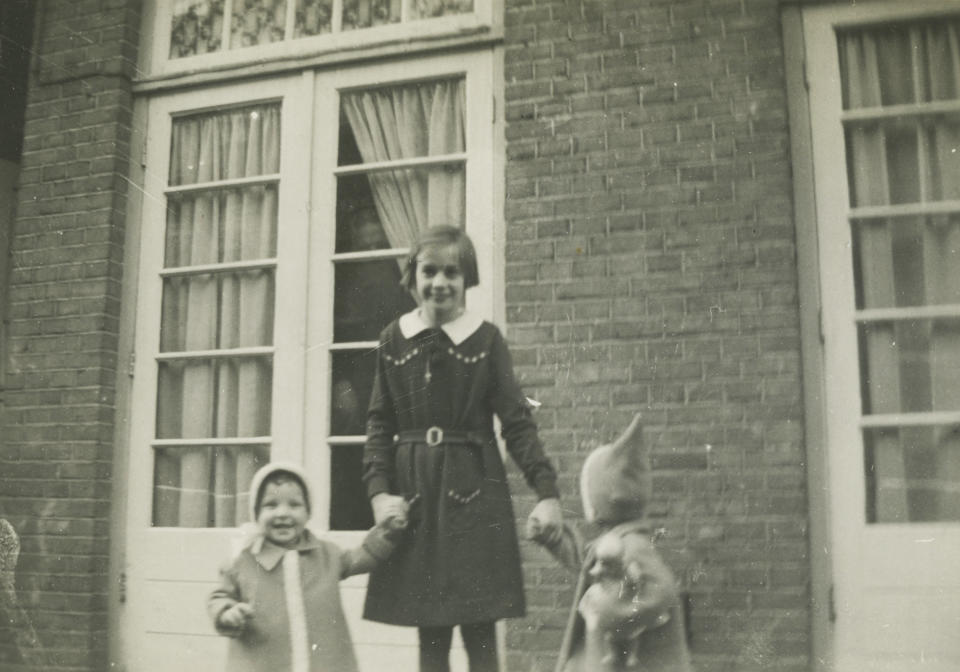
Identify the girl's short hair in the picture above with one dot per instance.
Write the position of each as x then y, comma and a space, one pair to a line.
443, 236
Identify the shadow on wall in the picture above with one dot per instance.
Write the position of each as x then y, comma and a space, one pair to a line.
16, 630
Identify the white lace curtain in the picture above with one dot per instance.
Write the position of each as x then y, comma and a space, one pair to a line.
417, 120
229, 395
910, 365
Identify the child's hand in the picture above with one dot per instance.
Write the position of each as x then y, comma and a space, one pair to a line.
395, 523
236, 617
545, 524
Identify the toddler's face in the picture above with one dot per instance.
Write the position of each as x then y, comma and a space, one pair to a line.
440, 283
283, 513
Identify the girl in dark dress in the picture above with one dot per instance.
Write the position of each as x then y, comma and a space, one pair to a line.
431, 454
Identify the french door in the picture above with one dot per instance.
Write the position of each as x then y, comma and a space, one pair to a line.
275, 219
884, 91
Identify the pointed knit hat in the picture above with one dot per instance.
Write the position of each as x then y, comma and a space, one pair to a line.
256, 484
615, 479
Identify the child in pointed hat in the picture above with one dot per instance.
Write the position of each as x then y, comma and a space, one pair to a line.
626, 613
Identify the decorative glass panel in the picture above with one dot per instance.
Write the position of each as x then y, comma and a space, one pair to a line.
427, 9
257, 22
207, 388
196, 27
369, 13
313, 17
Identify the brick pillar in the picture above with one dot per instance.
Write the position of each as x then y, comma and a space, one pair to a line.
64, 306
650, 265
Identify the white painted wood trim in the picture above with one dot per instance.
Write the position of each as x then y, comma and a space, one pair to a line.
383, 166
808, 267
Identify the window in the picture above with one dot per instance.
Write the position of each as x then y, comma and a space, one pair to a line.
215, 368
185, 35
401, 167
272, 260
901, 100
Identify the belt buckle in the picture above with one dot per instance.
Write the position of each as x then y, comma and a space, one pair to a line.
434, 436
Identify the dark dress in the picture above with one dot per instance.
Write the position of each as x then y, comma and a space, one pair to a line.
460, 561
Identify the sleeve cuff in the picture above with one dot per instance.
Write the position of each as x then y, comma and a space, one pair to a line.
376, 485
546, 487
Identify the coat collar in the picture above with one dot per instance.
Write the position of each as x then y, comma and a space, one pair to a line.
458, 330
268, 555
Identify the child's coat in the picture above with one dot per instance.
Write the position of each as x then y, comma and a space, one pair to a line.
616, 629
298, 624
626, 614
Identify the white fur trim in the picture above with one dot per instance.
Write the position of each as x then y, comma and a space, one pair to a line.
589, 513
296, 613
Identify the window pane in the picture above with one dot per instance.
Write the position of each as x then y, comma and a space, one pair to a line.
913, 474
910, 366
214, 398
402, 122
257, 22
897, 64
426, 9
367, 296
212, 311
221, 225
349, 507
223, 145
351, 388
367, 13
204, 486
907, 261
196, 27
313, 17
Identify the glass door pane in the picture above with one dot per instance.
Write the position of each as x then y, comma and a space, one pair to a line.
903, 169
402, 167
215, 369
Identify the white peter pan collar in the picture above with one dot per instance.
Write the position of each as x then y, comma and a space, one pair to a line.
458, 330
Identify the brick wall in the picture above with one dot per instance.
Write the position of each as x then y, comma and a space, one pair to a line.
651, 265
63, 309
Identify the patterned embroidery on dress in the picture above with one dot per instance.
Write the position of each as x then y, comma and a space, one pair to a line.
473, 359
400, 361
463, 499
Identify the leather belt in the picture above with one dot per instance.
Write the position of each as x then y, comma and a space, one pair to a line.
434, 436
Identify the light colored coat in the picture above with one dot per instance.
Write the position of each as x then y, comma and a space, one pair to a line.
298, 623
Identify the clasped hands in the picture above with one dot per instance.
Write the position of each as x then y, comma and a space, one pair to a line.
545, 524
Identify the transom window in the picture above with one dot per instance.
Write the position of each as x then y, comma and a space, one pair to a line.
189, 36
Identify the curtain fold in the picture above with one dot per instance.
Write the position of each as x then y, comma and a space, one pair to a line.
908, 262
425, 119
226, 396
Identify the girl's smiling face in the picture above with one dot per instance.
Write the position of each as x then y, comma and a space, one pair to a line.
283, 513
440, 285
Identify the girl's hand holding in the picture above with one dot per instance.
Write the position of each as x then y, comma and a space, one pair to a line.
235, 618
545, 524
387, 506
